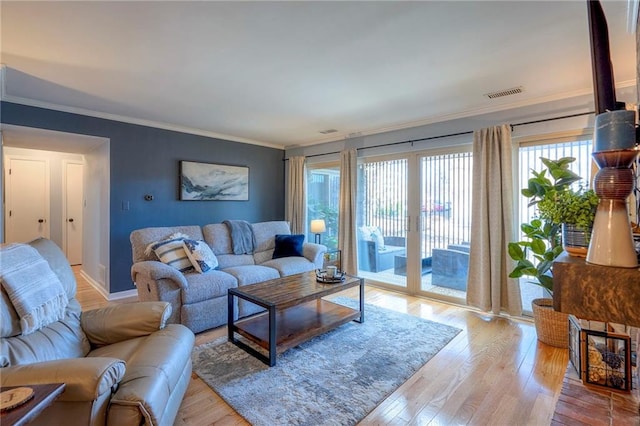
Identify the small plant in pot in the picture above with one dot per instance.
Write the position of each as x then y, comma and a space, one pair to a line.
575, 210
545, 190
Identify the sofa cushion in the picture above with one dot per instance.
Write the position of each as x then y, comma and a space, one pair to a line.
200, 255
251, 274
141, 238
171, 251
207, 286
265, 231
59, 340
219, 239
288, 245
372, 233
290, 265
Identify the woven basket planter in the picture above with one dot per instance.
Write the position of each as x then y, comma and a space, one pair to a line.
552, 327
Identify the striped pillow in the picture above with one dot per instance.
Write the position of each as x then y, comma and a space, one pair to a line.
171, 251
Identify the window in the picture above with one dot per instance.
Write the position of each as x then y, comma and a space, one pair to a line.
530, 160
323, 192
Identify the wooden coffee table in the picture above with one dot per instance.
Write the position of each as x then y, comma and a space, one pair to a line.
296, 312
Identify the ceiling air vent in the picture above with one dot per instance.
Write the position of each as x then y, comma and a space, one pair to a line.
326, 132
507, 92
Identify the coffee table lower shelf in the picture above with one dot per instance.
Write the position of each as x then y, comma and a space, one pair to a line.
294, 325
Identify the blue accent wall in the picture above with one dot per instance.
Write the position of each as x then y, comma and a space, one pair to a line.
146, 160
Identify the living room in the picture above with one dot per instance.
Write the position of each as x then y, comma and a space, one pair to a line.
135, 159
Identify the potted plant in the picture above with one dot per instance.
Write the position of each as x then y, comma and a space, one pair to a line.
542, 239
575, 210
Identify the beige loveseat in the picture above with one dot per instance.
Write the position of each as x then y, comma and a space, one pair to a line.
121, 364
199, 300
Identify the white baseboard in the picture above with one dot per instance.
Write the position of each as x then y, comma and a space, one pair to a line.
123, 295
103, 292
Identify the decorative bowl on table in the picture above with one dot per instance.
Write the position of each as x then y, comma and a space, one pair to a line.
322, 277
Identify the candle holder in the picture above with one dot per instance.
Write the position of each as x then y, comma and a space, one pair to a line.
612, 239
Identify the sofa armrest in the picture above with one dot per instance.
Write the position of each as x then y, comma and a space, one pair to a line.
112, 324
154, 270
85, 378
315, 253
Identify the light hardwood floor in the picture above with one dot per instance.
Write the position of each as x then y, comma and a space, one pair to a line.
495, 372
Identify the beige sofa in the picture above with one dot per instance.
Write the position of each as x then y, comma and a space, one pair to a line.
199, 301
121, 364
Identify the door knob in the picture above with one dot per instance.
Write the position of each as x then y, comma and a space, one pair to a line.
40, 220
71, 220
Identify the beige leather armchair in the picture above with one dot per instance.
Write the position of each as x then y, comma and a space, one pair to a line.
122, 365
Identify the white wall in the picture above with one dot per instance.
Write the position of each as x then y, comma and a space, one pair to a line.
96, 218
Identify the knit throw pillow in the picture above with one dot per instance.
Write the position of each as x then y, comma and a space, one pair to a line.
200, 255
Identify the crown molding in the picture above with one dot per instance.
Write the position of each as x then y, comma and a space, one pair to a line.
130, 120
465, 114
633, 14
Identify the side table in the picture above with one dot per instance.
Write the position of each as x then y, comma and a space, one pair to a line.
43, 396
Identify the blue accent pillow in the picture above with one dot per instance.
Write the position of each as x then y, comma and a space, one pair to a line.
288, 245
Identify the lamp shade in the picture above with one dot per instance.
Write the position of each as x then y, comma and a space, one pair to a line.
318, 226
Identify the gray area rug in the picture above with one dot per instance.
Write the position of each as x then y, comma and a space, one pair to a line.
334, 379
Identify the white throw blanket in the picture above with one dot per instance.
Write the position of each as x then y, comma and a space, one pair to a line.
33, 288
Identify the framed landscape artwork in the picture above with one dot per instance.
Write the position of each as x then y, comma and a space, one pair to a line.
206, 181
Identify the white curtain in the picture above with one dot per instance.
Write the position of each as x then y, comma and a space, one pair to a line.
296, 199
489, 287
347, 213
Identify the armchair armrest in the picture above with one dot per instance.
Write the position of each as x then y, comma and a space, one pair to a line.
155, 270
116, 323
314, 252
85, 378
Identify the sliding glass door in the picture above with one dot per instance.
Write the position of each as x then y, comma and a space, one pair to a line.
414, 216
445, 224
383, 220
529, 158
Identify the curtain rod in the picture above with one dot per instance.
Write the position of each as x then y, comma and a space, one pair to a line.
451, 134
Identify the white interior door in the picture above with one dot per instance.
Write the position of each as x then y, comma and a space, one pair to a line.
27, 199
73, 210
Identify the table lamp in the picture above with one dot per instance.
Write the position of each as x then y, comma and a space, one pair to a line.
318, 227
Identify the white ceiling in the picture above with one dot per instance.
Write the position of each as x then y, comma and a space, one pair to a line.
277, 73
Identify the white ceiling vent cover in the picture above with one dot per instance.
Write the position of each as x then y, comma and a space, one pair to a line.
506, 92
